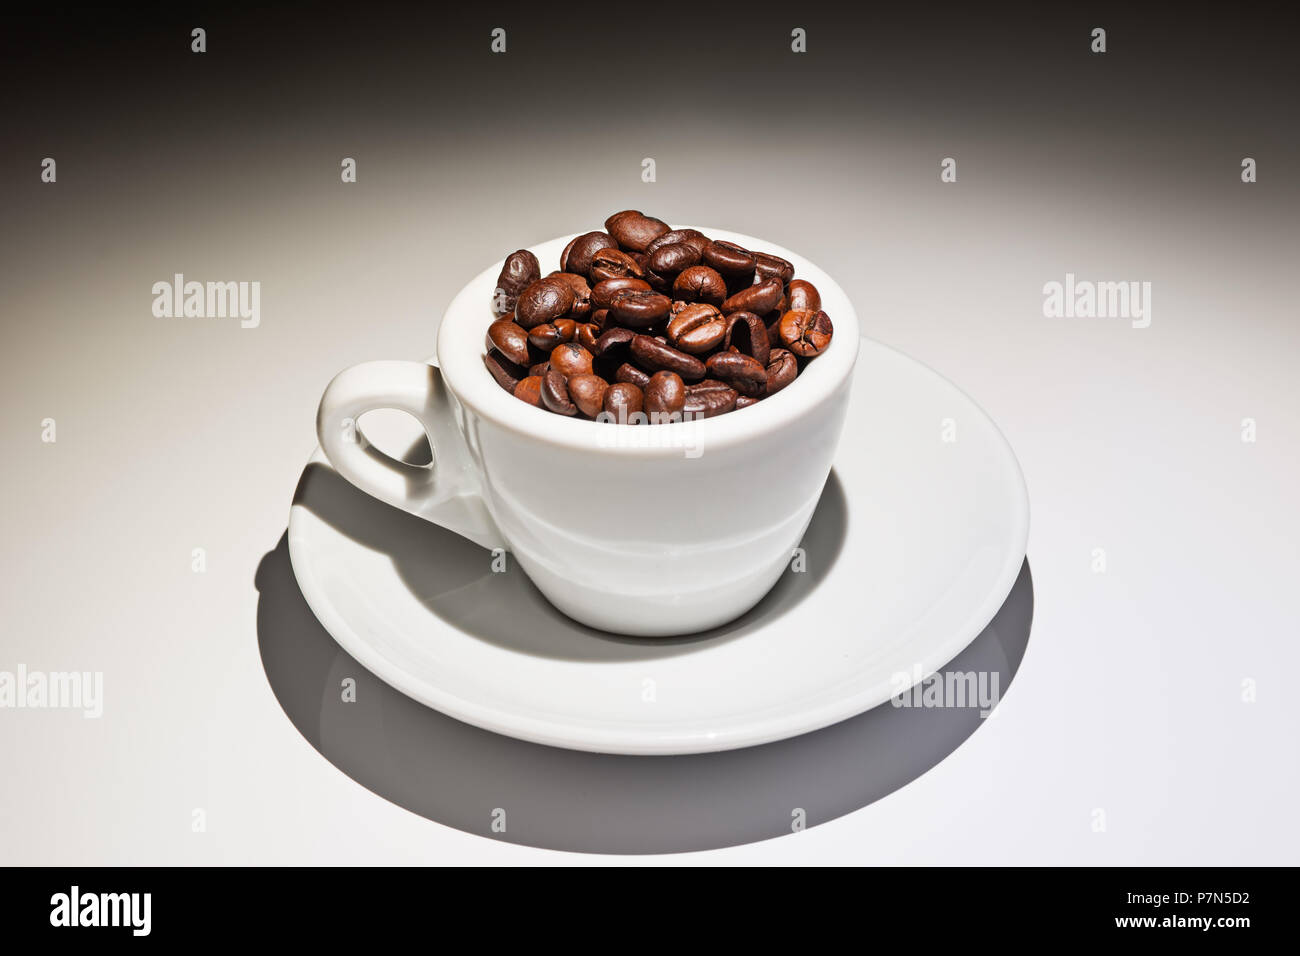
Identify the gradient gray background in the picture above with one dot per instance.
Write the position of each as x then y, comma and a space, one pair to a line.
175, 434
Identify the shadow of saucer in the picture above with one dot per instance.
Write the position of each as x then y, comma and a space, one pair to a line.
453, 577
476, 781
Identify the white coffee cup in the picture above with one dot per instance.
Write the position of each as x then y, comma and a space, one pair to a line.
642, 530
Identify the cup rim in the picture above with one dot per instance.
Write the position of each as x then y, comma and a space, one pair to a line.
460, 349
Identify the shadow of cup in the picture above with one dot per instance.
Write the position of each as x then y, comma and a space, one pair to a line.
521, 792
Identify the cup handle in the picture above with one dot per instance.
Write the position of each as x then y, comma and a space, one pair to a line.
447, 492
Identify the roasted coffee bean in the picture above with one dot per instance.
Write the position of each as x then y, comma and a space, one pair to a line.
806, 333
588, 393
510, 340
586, 336
698, 328
571, 359
614, 264
745, 401
674, 235
550, 334
613, 340
634, 230
604, 293
623, 400
555, 393
640, 310
665, 396
673, 259
629, 373
506, 372
539, 369
707, 402
803, 296
759, 298
577, 255
734, 263
700, 284
747, 334
520, 270
741, 372
654, 355
599, 318
768, 266
530, 390
581, 307
543, 301
782, 367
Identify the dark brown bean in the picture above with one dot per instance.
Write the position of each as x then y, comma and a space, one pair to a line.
586, 336
673, 259
804, 296
519, 271
614, 264
577, 255
707, 402
734, 263
634, 230
806, 333
614, 339
510, 340
604, 293
543, 301
741, 372
630, 374
506, 372
550, 334
768, 266
665, 396
697, 328
782, 367
571, 359
581, 306
640, 310
675, 235
588, 393
623, 400
539, 369
555, 393
747, 334
745, 401
658, 356
700, 284
530, 390
759, 298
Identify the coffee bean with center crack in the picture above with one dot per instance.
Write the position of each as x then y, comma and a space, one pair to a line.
657, 356
782, 367
708, 402
581, 306
768, 266
577, 255
700, 284
510, 340
550, 334
697, 328
604, 293
806, 333
614, 264
665, 396
543, 301
690, 236
741, 372
673, 259
555, 393
586, 336
520, 270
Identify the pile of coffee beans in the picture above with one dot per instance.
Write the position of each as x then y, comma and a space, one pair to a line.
643, 323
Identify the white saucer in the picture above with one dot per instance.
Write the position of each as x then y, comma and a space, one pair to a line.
917, 542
